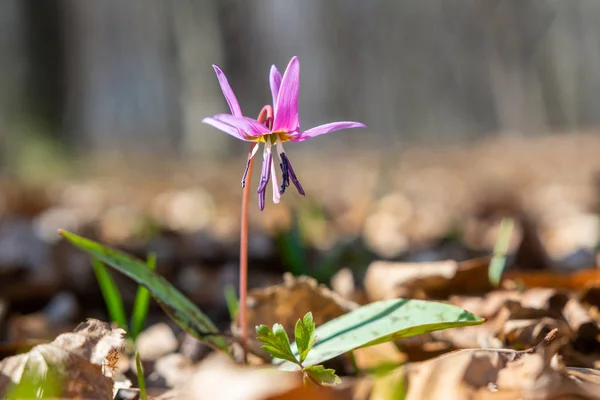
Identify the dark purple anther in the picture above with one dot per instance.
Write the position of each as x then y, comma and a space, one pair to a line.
265, 174
287, 172
245, 173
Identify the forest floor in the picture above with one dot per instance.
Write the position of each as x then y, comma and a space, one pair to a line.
419, 223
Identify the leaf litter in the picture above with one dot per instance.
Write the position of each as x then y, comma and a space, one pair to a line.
540, 340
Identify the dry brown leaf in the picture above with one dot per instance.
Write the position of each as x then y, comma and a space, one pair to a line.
387, 280
521, 333
217, 377
156, 341
498, 374
290, 301
575, 281
343, 284
379, 356
73, 361
587, 332
313, 393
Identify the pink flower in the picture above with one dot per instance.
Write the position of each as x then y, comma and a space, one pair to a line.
280, 125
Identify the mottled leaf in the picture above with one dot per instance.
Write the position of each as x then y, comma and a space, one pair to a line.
381, 322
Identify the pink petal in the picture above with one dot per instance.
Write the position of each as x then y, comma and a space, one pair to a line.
286, 110
275, 82
234, 106
233, 131
247, 125
327, 128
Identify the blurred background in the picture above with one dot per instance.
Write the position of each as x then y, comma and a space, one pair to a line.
136, 75
477, 110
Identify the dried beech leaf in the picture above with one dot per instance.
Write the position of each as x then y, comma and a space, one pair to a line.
217, 377
73, 361
388, 280
290, 301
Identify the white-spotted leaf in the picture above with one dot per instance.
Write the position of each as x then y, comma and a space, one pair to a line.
380, 322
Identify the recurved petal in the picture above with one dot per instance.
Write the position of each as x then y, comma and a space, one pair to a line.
232, 101
327, 128
275, 82
247, 125
286, 110
233, 131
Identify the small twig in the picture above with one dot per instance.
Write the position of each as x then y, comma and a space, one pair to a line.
545, 341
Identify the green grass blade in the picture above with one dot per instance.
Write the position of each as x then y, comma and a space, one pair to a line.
231, 299
180, 308
496, 268
292, 250
110, 292
142, 303
140, 376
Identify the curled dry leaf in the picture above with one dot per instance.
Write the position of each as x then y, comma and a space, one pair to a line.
586, 330
550, 279
517, 320
388, 280
72, 366
500, 374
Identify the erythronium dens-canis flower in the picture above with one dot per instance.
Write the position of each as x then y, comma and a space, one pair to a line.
276, 124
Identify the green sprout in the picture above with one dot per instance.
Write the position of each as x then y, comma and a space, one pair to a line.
276, 342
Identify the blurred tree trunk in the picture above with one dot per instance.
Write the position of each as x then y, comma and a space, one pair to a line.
13, 71
123, 81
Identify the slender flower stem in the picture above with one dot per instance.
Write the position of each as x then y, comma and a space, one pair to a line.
244, 257
265, 117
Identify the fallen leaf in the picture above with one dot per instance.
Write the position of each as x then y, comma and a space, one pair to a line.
550, 279
387, 280
498, 374
382, 356
290, 301
72, 366
217, 377
156, 341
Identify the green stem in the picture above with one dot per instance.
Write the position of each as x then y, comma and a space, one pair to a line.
354, 363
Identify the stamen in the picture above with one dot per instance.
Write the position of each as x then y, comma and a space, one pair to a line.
251, 153
264, 175
276, 194
287, 172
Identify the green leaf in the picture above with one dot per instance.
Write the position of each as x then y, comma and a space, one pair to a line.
231, 299
140, 376
142, 303
110, 292
496, 268
305, 335
179, 307
381, 322
276, 342
322, 375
